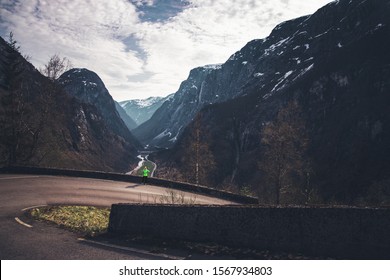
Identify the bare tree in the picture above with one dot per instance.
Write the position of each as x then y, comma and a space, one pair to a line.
56, 66
283, 160
169, 173
198, 160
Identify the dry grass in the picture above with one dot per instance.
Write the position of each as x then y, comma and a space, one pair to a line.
86, 219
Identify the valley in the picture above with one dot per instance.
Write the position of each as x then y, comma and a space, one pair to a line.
297, 117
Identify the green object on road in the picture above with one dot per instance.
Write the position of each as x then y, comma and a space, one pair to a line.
146, 171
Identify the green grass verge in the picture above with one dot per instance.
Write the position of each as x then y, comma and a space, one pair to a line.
85, 219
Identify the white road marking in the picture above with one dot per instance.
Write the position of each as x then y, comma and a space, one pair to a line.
133, 250
22, 223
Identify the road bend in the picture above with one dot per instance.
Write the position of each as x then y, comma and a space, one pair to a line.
28, 239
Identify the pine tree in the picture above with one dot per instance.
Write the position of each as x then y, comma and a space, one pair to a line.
12, 42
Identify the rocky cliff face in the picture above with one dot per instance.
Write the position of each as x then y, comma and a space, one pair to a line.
87, 87
290, 53
335, 64
129, 122
42, 125
168, 122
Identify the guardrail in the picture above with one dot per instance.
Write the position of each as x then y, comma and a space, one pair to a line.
131, 178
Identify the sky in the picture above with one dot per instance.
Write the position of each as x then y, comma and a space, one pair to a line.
143, 48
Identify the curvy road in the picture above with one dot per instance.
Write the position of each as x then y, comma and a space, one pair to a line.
24, 238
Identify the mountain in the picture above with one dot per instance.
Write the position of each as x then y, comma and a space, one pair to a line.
164, 127
141, 110
87, 87
335, 64
42, 125
129, 122
288, 54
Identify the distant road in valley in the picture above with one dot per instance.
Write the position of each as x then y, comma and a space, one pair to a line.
154, 166
143, 159
44, 241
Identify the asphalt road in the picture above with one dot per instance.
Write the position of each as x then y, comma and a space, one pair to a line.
44, 241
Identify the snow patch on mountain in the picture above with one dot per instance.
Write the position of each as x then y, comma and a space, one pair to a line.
140, 110
142, 103
258, 74
282, 80
163, 134
213, 66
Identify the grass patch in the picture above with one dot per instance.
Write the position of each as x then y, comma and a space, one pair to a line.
85, 219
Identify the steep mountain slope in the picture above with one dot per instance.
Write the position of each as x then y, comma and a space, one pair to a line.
289, 53
336, 65
129, 122
87, 87
171, 118
142, 110
41, 125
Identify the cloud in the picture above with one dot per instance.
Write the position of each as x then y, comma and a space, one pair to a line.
139, 3
90, 33
138, 55
209, 32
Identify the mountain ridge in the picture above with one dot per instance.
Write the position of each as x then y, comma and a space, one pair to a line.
259, 64
334, 64
141, 110
42, 125
86, 86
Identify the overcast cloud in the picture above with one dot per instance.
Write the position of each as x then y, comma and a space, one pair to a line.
143, 48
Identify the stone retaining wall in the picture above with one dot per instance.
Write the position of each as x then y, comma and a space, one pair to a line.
335, 232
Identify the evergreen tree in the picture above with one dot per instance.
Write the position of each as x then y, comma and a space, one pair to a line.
12, 42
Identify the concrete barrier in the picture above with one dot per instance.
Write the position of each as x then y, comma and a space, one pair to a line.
132, 179
352, 233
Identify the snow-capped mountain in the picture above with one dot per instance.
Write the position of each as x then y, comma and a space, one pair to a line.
141, 110
293, 51
335, 64
167, 123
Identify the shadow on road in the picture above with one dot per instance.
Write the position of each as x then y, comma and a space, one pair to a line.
133, 186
